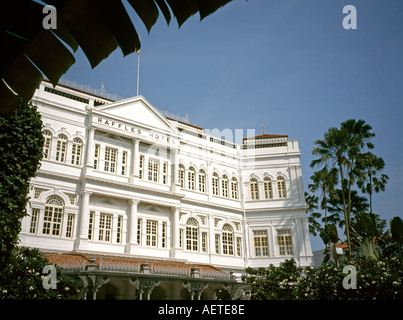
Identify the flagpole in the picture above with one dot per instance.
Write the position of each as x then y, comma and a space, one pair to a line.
138, 71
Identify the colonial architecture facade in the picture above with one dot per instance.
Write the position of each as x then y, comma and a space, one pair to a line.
138, 204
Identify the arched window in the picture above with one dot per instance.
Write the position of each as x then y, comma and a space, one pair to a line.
192, 235
254, 192
227, 240
181, 175
268, 190
191, 178
234, 188
282, 192
215, 184
224, 186
52, 219
48, 142
202, 181
61, 148
76, 151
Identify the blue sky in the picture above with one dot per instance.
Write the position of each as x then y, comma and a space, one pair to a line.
288, 63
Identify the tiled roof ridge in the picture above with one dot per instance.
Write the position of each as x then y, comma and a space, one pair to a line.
128, 260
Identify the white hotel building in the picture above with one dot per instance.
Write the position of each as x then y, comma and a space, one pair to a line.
141, 206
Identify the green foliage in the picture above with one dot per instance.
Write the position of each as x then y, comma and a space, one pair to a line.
396, 228
273, 283
347, 168
21, 143
23, 278
375, 279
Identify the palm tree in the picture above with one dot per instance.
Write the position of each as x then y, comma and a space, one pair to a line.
370, 165
333, 152
97, 26
335, 209
314, 224
324, 181
359, 138
340, 150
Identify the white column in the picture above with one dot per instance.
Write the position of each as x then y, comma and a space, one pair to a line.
132, 227
135, 161
211, 237
90, 149
272, 241
175, 230
82, 240
306, 249
174, 170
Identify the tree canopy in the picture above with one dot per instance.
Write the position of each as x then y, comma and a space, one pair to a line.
97, 26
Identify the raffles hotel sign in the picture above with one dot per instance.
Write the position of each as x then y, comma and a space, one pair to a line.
136, 132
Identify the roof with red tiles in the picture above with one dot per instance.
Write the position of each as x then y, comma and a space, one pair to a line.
79, 262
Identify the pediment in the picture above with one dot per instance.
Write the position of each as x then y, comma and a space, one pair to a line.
106, 201
139, 111
153, 208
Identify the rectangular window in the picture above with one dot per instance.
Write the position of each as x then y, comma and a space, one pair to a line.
238, 246
34, 221
228, 243
192, 238
153, 170
268, 192
165, 173
191, 179
46, 145
110, 160
151, 233
181, 176
91, 225
224, 187
254, 191
124, 163
204, 241
261, 243
52, 220
217, 244
96, 156
234, 189
215, 185
202, 182
139, 230
282, 194
180, 238
70, 225
61, 148
141, 167
105, 227
119, 229
76, 152
284, 238
164, 235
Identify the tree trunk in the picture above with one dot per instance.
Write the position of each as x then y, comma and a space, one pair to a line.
346, 218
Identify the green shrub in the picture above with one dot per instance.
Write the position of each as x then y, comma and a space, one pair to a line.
24, 278
375, 279
21, 143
